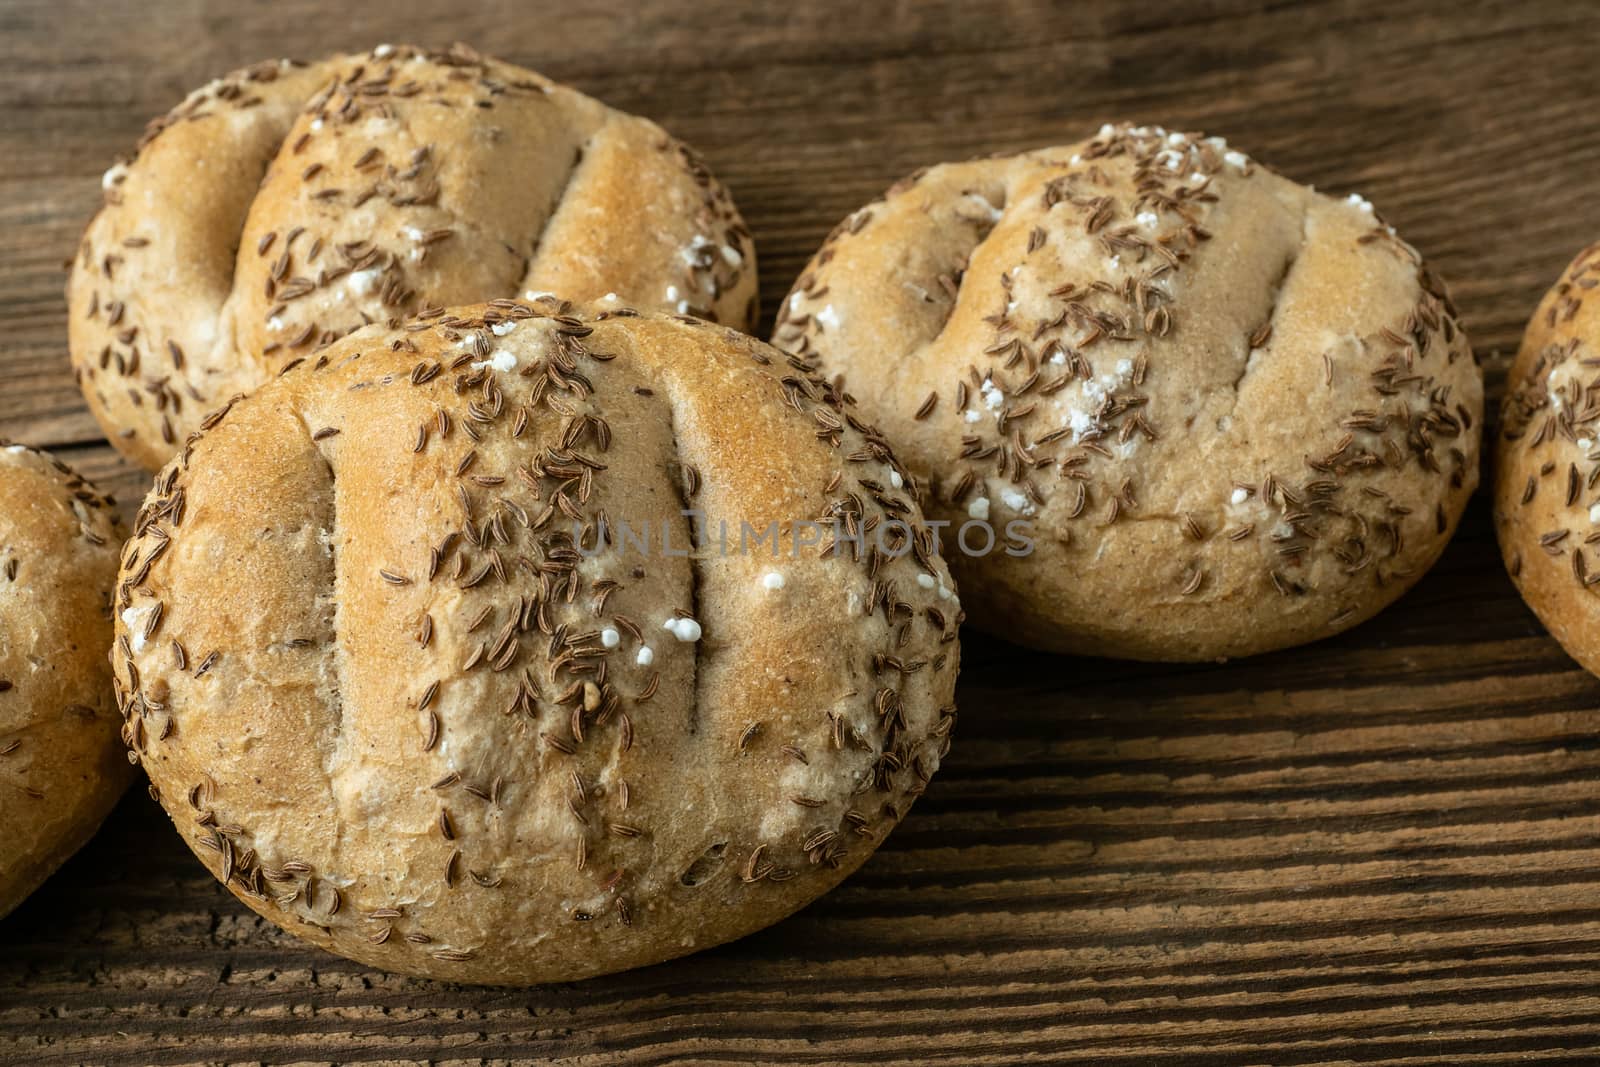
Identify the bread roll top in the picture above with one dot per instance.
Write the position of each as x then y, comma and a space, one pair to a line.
1547, 463
516, 645
61, 766
285, 205
1235, 413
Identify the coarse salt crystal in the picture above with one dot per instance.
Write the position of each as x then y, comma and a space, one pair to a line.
501, 360
133, 618
682, 629
1017, 501
362, 282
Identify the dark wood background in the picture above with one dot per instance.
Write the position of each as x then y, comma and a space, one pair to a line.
1381, 849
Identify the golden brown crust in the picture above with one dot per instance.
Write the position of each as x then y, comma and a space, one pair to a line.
61, 766
391, 698
286, 204
1547, 462
1237, 415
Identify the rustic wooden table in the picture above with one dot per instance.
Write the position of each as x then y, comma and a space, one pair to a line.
1383, 848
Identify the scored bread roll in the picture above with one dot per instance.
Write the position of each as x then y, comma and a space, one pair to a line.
1547, 462
401, 697
1205, 411
287, 204
61, 766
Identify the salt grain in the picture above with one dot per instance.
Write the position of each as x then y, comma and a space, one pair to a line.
501, 361
682, 629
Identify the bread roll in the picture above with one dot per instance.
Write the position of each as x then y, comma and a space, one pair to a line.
286, 204
1221, 413
401, 696
1547, 464
61, 766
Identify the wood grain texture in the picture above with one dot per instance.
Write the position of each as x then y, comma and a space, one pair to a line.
1381, 849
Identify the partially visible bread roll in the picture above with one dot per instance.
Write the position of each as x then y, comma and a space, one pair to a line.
401, 694
61, 766
1228, 414
1547, 462
285, 205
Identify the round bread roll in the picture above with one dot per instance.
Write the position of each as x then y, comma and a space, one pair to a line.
61, 766
416, 652
286, 204
1201, 410
1547, 464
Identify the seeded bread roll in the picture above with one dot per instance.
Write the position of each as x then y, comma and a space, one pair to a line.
285, 205
61, 767
1227, 414
402, 696
1547, 465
